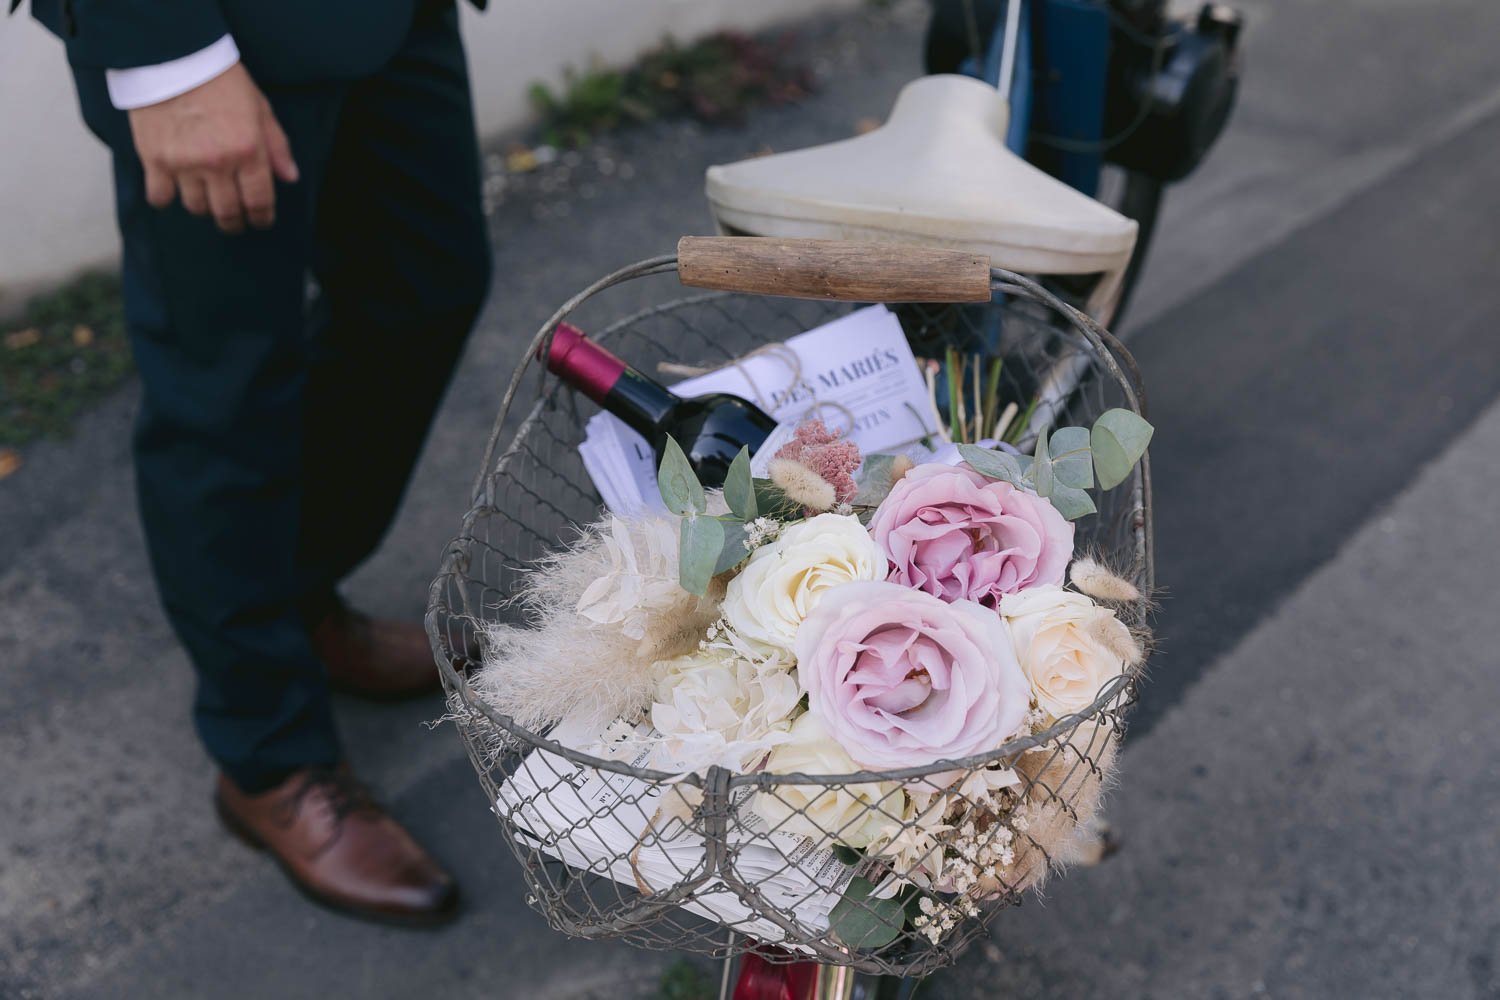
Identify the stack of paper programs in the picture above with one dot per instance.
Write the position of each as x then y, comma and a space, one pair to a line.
600, 822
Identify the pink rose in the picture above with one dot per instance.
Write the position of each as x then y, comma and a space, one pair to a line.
900, 678
953, 533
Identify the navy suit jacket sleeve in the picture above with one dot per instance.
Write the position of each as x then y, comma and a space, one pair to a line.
121, 34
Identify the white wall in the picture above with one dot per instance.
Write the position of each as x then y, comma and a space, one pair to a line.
55, 204
56, 212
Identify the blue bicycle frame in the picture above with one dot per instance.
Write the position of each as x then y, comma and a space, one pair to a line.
1065, 44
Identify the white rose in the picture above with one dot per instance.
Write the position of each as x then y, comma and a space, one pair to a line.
783, 581
853, 815
1068, 646
714, 708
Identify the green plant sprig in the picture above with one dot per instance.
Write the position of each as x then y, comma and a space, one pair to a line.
1070, 461
710, 544
972, 420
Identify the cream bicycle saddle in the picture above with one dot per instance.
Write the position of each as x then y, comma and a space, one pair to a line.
936, 173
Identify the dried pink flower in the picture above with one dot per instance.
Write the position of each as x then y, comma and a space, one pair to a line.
826, 453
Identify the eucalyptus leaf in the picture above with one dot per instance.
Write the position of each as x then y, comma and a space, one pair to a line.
1041, 467
1071, 502
680, 489
739, 488
698, 553
1119, 439
1072, 463
992, 464
734, 548
860, 920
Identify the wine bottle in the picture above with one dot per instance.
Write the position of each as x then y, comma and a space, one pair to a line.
711, 429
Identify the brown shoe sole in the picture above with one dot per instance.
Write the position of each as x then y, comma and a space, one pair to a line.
412, 921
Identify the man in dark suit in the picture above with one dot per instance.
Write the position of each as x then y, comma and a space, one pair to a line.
297, 188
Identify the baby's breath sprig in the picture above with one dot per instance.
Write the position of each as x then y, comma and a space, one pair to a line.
761, 531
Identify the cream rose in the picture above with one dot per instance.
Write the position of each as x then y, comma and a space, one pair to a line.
853, 815
1068, 646
783, 581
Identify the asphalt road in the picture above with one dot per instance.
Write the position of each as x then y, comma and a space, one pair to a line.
1308, 795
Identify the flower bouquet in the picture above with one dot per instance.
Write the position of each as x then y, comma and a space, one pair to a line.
838, 707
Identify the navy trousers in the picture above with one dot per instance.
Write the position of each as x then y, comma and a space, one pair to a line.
289, 376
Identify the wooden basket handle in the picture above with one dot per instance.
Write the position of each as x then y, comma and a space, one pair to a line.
832, 269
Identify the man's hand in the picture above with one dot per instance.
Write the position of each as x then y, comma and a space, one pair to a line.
217, 147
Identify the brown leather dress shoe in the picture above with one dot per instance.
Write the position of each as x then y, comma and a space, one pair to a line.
383, 660
340, 848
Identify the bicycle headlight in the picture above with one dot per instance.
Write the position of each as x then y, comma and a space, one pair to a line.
1171, 92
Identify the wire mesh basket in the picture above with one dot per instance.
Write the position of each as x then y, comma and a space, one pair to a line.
722, 861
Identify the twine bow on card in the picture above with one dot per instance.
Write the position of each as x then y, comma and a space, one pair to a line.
788, 357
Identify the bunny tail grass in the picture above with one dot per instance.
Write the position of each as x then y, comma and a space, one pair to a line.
1091, 578
1112, 634
801, 484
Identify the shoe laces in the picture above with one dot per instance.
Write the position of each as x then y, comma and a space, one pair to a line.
344, 793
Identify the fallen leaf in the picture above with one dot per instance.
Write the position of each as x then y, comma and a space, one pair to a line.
83, 335
22, 338
866, 125
520, 161
10, 461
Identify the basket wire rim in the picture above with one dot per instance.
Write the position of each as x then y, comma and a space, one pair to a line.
1118, 362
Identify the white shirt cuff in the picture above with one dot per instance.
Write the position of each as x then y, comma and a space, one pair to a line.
143, 85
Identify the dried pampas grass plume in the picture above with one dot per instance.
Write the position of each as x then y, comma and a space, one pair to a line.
1065, 784
1091, 578
561, 664
801, 484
